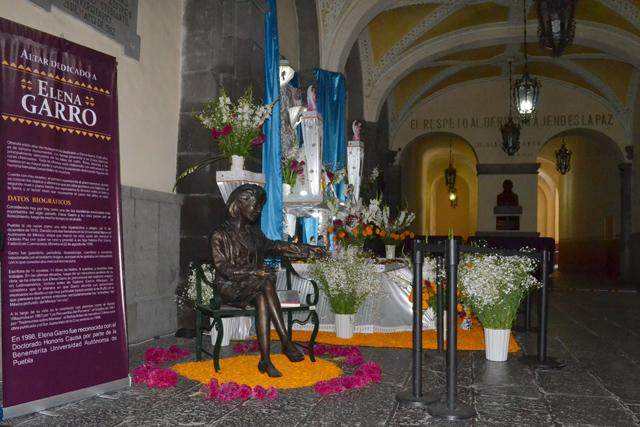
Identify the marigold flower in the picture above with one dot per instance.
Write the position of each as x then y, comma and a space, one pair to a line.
412, 235
355, 231
330, 229
383, 233
342, 234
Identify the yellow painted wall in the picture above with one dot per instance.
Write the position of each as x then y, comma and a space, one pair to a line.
447, 217
148, 89
590, 191
424, 162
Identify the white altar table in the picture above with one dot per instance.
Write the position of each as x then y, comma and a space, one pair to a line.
389, 312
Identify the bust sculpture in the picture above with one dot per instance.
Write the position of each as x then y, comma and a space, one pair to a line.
238, 248
356, 127
507, 197
311, 99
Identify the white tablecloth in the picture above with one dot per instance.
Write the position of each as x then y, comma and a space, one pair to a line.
389, 312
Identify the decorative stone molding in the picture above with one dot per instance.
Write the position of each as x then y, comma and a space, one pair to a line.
507, 168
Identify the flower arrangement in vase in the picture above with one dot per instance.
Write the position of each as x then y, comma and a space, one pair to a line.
494, 286
236, 128
292, 167
346, 279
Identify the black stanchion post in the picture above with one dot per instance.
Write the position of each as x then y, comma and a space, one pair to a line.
542, 361
440, 307
452, 410
527, 313
415, 397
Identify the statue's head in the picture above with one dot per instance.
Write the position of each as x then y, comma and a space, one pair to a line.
507, 185
246, 202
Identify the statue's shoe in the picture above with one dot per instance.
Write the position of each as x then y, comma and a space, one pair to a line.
293, 354
269, 369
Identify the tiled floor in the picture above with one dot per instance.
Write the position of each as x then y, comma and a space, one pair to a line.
593, 328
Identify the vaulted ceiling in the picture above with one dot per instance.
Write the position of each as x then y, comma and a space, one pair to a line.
411, 50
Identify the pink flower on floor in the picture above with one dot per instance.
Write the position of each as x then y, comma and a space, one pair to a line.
333, 386
355, 381
244, 392
372, 369
141, 373
162, 378
154, 355
246, 347
228, 391
158, 355
210, 390
174, 353
272, 393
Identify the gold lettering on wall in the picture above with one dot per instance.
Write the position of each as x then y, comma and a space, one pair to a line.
599, 120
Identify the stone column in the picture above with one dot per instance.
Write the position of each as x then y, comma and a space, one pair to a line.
625, 221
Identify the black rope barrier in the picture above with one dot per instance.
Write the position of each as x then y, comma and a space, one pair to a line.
415, 397
452, 409
541, 360
439, 306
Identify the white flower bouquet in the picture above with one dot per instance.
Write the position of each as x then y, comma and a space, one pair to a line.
495, 285
346, 279
187, 295
235, 127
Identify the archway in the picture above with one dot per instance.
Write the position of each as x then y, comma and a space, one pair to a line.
444, 216
586, 209
423, 163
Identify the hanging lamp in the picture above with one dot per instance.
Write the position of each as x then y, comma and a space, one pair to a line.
526, 89
510, 130
450, 172
453, 197
563, 159
556, 24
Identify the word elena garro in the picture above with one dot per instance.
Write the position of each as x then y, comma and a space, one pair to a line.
58, 104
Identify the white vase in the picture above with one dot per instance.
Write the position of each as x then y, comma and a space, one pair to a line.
286, 189
237, 163
496, 343
344, 325
390, 251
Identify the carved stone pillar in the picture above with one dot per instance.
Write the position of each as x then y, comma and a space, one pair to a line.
625, 221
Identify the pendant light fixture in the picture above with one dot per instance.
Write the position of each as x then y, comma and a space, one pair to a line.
526, 89
563, 159
510, 130
556, 24
450, 172
453, 197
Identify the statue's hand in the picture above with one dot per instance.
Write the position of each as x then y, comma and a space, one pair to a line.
317, 251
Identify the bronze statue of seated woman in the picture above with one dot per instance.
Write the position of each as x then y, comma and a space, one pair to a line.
238, 247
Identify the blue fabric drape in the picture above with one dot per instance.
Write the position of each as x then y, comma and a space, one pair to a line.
331, 95
271, 221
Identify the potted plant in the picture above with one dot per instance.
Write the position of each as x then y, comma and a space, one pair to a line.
236, 128
292, 167
346, 279
494, 286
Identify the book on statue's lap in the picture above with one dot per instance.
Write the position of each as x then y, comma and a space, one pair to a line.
289, 298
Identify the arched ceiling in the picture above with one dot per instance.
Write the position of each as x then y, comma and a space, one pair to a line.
413, 49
